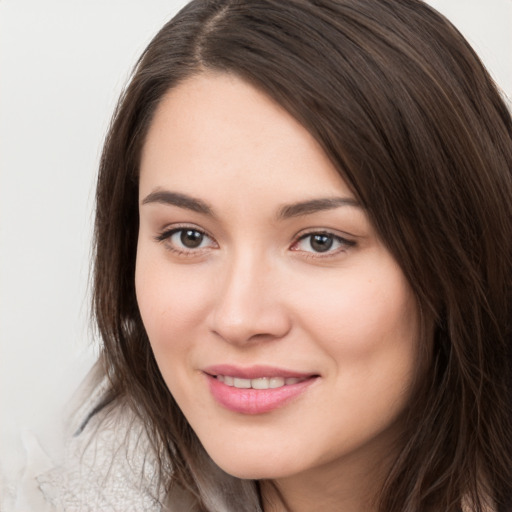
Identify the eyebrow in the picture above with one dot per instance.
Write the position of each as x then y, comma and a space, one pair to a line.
315, 205
180, 200
285, 212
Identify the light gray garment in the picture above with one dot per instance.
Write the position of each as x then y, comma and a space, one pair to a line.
109, 463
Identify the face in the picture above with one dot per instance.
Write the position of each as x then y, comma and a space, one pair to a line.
281, 324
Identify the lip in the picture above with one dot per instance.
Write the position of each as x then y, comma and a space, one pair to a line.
255, 401
253, 372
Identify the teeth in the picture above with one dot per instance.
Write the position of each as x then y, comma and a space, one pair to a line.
241, 383
259, 383
276, 382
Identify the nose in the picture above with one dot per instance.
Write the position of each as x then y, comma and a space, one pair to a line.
248, 305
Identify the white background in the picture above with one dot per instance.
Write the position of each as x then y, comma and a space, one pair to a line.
62, 66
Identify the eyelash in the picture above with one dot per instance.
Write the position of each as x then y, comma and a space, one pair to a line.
345, 244
166, 235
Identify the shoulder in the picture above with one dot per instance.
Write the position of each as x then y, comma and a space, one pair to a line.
109, 462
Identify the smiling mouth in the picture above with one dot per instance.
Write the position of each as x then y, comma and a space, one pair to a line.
260, 382
256, 390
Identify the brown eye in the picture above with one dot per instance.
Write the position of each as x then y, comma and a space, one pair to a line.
186, 240
191, 238
321, 242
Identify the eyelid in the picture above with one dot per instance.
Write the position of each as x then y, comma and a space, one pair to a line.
165, 235
343, 235
344, 241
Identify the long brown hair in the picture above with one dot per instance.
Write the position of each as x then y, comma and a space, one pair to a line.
415, 125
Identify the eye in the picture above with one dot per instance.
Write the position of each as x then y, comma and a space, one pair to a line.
322, 243
185, 239
188, 238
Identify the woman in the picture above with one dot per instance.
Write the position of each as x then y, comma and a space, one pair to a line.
303, 268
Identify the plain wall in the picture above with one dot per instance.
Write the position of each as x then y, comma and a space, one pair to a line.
62, 66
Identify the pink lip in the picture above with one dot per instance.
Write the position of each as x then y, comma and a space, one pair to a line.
255, 401
254, 372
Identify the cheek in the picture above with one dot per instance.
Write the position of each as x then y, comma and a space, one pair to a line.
367, 312
368, 328
170, 303
370, 332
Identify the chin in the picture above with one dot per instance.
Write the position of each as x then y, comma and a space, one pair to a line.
251, 471
255, 466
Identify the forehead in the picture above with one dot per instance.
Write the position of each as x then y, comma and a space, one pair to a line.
215, 128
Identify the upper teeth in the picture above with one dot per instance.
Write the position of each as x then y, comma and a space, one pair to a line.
259, 383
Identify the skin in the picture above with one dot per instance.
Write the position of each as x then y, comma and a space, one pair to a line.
256, 291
